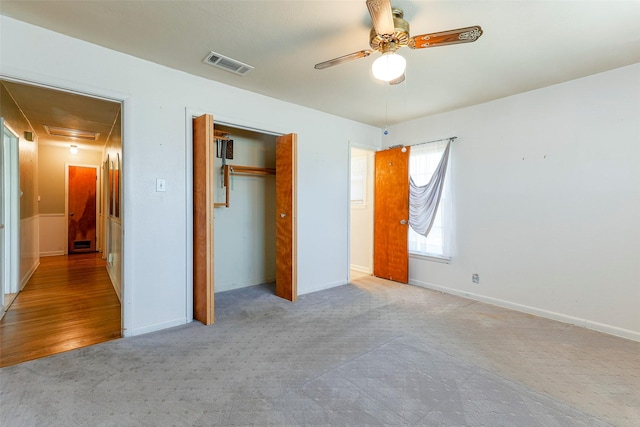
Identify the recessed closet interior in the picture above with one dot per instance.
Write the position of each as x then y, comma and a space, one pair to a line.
245, 208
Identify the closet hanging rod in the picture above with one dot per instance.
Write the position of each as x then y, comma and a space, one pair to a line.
228, 170
251, 170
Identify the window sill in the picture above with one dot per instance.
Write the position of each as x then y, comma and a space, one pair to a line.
434, 258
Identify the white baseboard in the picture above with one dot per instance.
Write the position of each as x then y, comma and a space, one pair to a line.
27, 276
584, 323
360, 268
323, 286
155, 327
113, 283
51, 253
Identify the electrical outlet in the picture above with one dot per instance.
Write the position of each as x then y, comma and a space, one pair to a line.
475, 278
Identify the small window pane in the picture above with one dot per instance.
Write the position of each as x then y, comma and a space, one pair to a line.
358, 178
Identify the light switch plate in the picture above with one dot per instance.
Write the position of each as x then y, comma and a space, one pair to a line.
160, 184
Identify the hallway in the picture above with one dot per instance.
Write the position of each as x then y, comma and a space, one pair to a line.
68, 303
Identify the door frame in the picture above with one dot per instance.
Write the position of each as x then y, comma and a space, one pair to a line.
351, 146
126, 112
190, 114
66, 202
10, 206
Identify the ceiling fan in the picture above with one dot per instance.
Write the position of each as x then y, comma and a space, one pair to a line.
390, 32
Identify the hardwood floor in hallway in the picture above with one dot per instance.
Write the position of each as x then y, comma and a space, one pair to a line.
68, 303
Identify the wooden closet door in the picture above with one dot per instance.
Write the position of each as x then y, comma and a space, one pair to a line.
203, 286
391, 215
286, 242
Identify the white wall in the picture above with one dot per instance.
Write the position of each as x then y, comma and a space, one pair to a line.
546, 188
245, 232
157, 267
362, 220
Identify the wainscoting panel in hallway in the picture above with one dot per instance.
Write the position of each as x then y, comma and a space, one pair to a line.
68, 303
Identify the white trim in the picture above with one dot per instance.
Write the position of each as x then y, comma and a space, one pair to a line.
38, 80
114, 280
564, 318
155, 327
246, 125
11, 169
360, 268
350, 146
323, 286
46, 81
434, 258
51, 253
28, 275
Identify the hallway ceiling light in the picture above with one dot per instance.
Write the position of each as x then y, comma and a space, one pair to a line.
71, 133
73, 149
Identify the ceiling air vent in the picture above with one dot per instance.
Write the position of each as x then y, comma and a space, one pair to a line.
71, 133
227, 63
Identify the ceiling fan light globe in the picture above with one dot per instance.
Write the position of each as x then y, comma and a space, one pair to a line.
388, 67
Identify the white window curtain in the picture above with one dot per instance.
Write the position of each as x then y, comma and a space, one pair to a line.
427, 212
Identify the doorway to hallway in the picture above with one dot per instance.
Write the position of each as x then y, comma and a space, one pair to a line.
68, 303
55, 129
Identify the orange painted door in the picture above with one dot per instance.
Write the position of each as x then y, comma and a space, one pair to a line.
82, 209
391, 215
203, 152
286, 262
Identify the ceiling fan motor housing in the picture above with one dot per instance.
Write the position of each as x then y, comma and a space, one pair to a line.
391, 42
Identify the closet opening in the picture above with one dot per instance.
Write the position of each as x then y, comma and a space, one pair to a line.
244, 212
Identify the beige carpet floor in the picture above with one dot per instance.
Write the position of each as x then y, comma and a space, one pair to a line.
369, 353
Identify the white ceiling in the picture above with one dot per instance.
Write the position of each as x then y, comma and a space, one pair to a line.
526, 45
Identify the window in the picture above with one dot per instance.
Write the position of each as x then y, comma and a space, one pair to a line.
358, 177
423, 161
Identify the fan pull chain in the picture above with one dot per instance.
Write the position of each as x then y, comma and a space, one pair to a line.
386, 110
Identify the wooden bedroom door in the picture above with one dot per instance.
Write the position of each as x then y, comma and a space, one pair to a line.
391, 215
203, 285
286, 217
81, 207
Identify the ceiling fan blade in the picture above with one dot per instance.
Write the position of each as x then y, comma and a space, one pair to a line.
341, 59
398, 80
381, 16
444, 38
